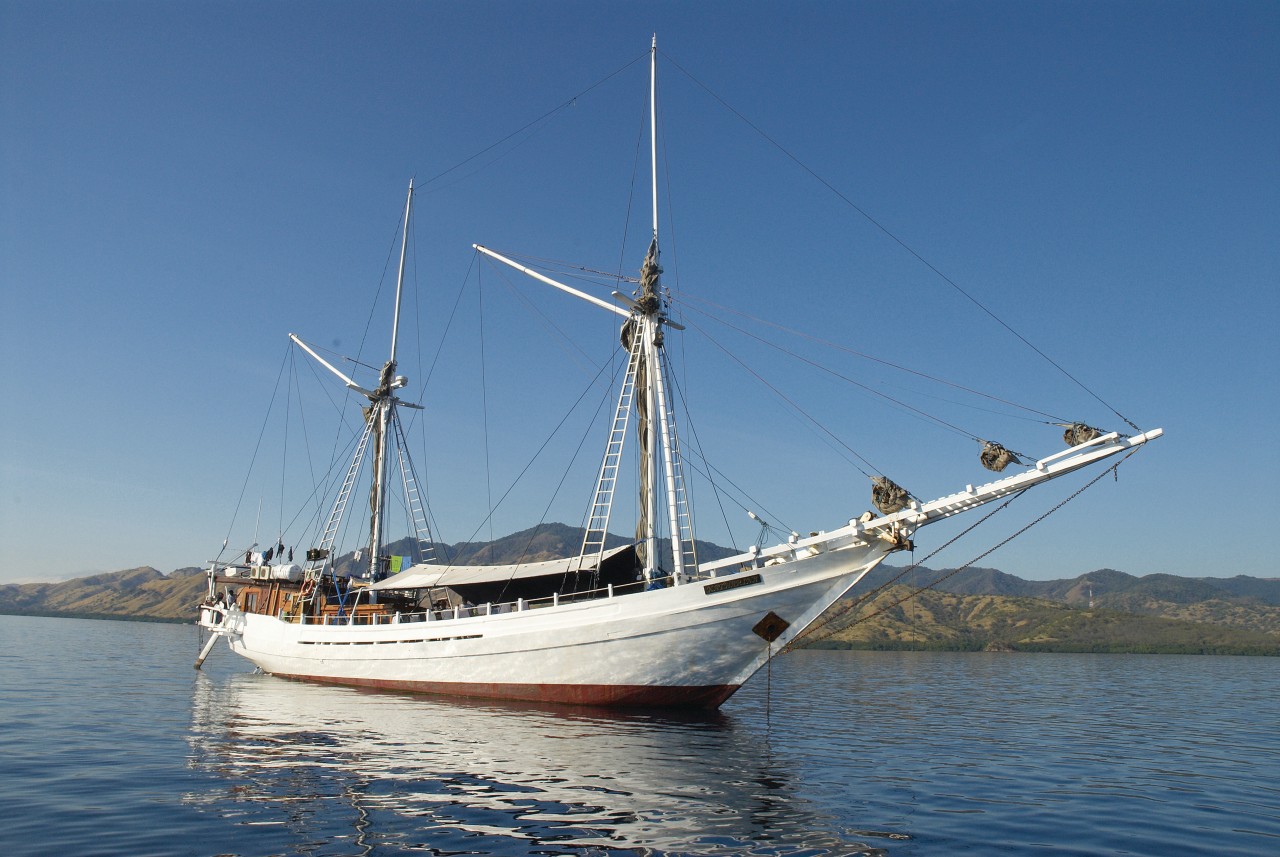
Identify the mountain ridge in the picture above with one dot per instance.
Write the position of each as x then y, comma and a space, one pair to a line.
956, 611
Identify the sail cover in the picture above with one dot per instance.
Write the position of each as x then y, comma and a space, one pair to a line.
427, 575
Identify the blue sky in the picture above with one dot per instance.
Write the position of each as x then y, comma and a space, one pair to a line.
182, 184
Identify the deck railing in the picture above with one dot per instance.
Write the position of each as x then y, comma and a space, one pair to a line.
351, 616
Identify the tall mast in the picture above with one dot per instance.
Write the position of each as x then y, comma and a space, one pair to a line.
655, 423
404, 244
647, 328
653, 129
383, 411
645, 392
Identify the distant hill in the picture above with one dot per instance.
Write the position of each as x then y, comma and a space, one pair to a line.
147, 594
1247, 603
547, 541
1105, 582
977, 608
937, 620
138, 593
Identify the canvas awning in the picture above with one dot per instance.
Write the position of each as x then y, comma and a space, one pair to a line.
427, 575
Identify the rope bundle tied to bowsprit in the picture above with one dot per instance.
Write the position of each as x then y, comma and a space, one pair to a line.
1078, 433
996, 457
888, 496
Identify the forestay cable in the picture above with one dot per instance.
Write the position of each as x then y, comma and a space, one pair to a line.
901, 243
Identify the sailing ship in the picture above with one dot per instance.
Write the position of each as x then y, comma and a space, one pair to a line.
646, 623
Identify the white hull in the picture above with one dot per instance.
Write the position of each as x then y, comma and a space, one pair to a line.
692, 644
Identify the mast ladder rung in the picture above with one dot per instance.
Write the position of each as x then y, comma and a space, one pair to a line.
684, 518
340, 504
593, 539
413, 497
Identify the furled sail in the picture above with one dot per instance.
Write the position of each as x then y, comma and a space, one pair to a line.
648, 303
888, 496
996, 457
1078, 433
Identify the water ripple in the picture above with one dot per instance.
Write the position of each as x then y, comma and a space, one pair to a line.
123, 749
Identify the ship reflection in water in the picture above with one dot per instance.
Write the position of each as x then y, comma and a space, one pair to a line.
318, 770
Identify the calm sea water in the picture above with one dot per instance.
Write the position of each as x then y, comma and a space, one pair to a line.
111, 744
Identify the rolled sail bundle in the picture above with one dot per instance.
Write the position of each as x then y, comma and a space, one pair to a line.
1078, 433
996, 457
888, 496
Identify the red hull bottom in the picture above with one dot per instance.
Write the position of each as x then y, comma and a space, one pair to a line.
638, 696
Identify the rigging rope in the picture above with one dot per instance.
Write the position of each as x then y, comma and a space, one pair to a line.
258, 445
565, 268
698, 450
284, 452
1113, 469
581, 355
302, 418
789, 401
847, 607
582, 441
1050, 418
484, 402
569, 103
373, 305
631, 196
846, 379
900, 242
538, 452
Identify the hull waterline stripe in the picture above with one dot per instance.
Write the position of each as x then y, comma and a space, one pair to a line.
705, 696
